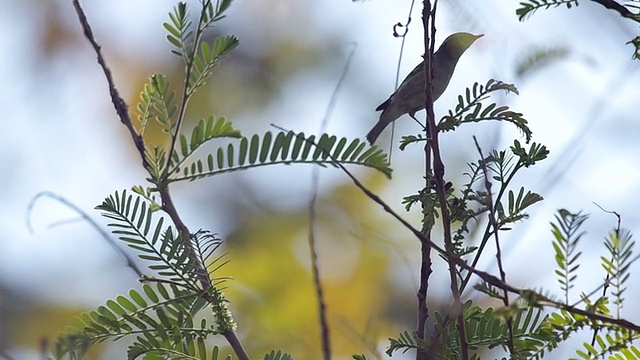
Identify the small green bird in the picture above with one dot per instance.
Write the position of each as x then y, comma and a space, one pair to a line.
409, 97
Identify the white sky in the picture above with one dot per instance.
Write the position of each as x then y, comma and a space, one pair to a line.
52, 141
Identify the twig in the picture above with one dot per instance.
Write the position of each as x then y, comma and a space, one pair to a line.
487, 230
494, 223
439, 170
203, 277
313, 249
425, 250
492, 280
607, 279
615, 6
130, 262
186, 95
118, 103
403, 35
325, 339
167, 202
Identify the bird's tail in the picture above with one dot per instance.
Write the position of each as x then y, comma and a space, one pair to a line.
372, 136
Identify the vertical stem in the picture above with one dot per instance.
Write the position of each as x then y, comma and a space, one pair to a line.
203, 277
425, 249
315, 270
167, 203
494, 224
438, 172
423, 308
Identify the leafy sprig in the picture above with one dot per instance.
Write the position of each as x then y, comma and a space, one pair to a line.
470, 108
285, 148
620, 248
527, 8
566, 236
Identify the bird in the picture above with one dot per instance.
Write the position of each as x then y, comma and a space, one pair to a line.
409, 97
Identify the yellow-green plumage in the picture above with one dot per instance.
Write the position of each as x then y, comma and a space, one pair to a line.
409, 97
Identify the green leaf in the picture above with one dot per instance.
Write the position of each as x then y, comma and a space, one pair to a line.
277, 355
527, 8
135, 296
126, 303
263, 150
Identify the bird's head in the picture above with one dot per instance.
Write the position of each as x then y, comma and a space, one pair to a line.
456, 44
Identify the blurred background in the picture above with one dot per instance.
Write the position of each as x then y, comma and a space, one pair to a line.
59, 133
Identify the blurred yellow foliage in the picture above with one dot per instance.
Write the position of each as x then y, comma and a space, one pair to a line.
272, 294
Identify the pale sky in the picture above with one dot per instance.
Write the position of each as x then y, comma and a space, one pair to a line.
59, 132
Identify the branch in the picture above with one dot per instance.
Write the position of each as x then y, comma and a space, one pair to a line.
439, 170
203, 277
87, 218
488, 278
621, 9
116, 99
167, 203
425, 250
325, 339
494, 223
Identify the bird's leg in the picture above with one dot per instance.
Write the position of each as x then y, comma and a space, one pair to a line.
424, 128
413, 116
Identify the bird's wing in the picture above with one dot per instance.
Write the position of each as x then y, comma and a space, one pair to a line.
416, 70
413, 72
385, 104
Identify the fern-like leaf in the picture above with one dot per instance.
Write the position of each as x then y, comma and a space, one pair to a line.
540, 58
211, 14
470, 108
207, 59
203, 132
157, 102
484, 328
151, 315
133, 223
180, 32
616, 343
277, 355
406, 341
156, 160
620, 248
515, 207
530, 6
536, 153
286, 148
182, 345
566, 237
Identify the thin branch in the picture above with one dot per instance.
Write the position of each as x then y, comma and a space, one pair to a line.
167, 202
403, 35
186, 95
494, 223
607, 279
619, 8
492, 280
487, 230
438, 171
118, 103
313, 249
203, 277
425, 250
130, 262
325, 339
